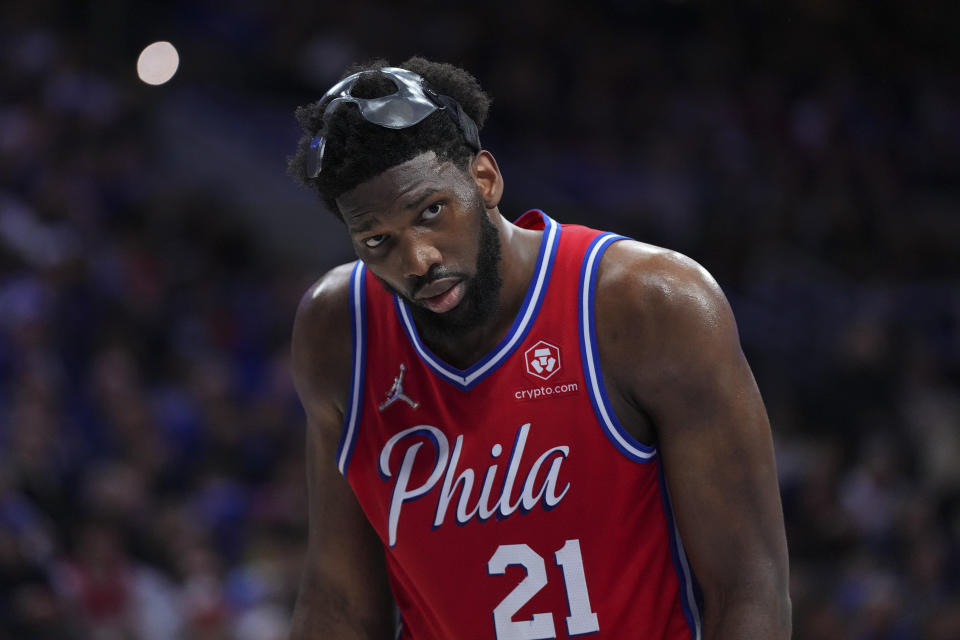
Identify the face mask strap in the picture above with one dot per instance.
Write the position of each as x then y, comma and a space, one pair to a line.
460, 117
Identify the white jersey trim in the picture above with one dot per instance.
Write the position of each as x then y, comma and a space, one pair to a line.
358, 333
465, 379
688, 597
621, 439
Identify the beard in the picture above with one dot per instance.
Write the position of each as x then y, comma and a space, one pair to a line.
482, 290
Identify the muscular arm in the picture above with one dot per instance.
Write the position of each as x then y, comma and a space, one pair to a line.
344, 592
670, 348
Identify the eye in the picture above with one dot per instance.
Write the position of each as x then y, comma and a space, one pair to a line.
432, 211
374, 241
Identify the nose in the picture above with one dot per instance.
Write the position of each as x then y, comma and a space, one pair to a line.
419, 254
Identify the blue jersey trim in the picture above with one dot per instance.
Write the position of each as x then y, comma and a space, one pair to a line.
358, 322
590, 356
688, 582
466, 379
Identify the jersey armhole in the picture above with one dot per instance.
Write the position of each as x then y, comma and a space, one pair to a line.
590, 357
351, 418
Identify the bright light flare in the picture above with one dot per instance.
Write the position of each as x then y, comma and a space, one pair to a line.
158, 63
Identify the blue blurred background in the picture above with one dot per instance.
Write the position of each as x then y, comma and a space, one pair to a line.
152, 254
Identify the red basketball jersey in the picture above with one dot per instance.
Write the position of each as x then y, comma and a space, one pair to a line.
511, 502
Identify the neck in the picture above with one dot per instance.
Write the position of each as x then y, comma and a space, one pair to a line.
519, 248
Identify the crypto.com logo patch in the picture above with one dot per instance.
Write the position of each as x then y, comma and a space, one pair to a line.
543, 360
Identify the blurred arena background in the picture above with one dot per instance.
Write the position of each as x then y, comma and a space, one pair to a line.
152, 253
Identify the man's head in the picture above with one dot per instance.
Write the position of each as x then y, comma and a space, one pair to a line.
356, 149
396, 156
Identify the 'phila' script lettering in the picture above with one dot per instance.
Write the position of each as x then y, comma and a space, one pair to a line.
454, 481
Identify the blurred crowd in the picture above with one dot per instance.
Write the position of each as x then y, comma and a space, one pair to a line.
151, 472
151, 465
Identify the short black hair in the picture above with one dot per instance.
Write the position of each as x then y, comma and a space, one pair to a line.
357, 150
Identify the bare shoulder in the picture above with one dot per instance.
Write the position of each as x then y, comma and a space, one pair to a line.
659, 280
321, 344
653, 284
662, 308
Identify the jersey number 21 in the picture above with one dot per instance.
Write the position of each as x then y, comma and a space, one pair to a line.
540, 627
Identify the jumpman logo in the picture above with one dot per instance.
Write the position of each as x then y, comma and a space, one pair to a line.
396, 392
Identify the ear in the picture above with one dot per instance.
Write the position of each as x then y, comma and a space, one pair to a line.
486, 174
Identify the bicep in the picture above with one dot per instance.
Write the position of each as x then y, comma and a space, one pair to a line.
717, 453
717, 450
344, 584
687, 375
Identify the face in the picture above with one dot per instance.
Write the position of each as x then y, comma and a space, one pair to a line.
422, 228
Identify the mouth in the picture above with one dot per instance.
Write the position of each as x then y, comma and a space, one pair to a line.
441, 295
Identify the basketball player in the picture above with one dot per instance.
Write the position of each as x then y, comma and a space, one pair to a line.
516, 430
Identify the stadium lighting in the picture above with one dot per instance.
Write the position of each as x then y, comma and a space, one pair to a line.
158, 63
